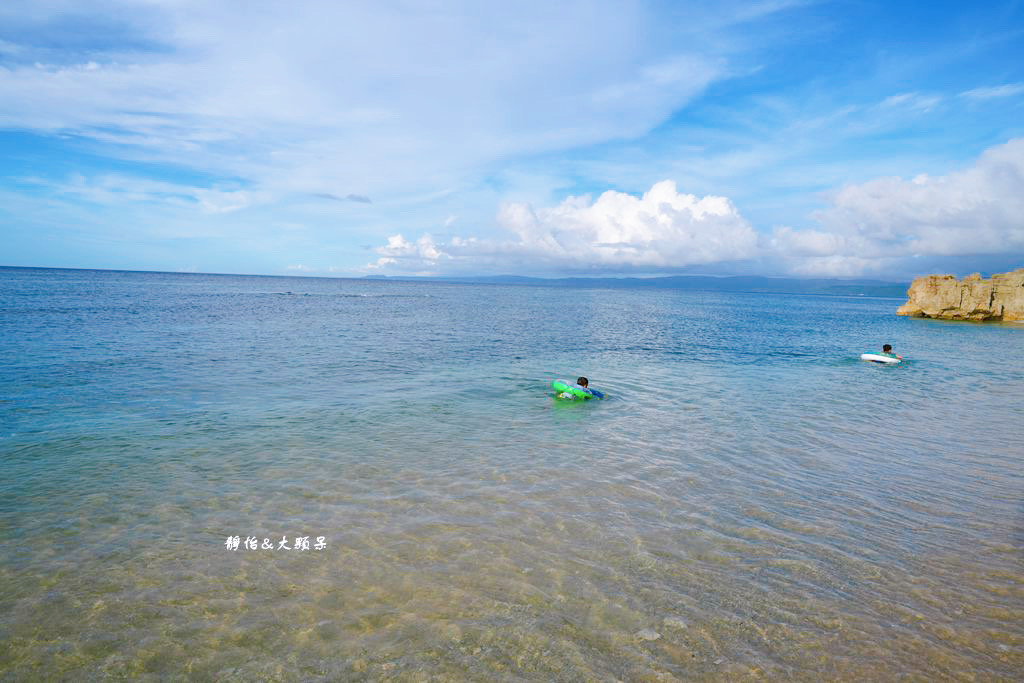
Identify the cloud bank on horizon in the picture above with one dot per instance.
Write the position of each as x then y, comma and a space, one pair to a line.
601, 138
978, 210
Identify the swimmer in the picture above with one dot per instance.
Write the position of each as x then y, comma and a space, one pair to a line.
887, 351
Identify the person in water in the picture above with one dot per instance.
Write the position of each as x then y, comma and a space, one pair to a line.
887, 350
584, 384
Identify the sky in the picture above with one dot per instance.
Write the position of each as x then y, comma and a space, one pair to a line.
865, 139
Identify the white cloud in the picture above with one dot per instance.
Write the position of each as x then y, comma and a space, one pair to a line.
119, 189
662, 230
449, 112
423, 252
221, 201
351, 99
806, 243
867, 227
1008, 90
978, 210
913, 101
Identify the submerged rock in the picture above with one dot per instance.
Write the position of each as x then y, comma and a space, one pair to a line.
674, 622
1001, 297
647, 634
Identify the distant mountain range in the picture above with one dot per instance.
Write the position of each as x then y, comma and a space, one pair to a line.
738, 283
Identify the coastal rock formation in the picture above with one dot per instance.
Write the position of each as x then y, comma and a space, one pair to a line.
943, 296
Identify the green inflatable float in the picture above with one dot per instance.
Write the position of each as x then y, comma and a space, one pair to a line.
573, 391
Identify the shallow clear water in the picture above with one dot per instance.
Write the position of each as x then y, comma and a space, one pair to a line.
750, 500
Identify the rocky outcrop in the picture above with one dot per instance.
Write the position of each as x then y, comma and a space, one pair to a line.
1001, 297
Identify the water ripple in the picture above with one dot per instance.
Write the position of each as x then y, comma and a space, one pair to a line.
751, 500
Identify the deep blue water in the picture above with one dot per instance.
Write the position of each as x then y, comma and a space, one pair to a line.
750, 500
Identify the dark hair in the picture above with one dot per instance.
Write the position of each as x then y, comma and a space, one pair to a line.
886, 348
582, 381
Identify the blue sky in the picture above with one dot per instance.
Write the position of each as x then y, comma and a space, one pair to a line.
848, 139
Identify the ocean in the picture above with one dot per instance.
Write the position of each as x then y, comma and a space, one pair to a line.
215, 477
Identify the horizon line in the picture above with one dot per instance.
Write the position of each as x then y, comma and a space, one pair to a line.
468, 277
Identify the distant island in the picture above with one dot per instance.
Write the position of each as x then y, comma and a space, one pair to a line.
999, 298
738, 283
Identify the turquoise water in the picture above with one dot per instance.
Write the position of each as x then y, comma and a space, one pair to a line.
750, 501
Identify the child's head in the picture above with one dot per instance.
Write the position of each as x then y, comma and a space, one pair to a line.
887, 348
582, 381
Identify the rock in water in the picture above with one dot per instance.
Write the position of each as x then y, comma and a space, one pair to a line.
943, 296
674, 622
647, 634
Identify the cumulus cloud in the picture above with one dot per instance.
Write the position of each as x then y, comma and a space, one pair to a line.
423, 253
416, 106
977, 210
866, 229
661, 230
